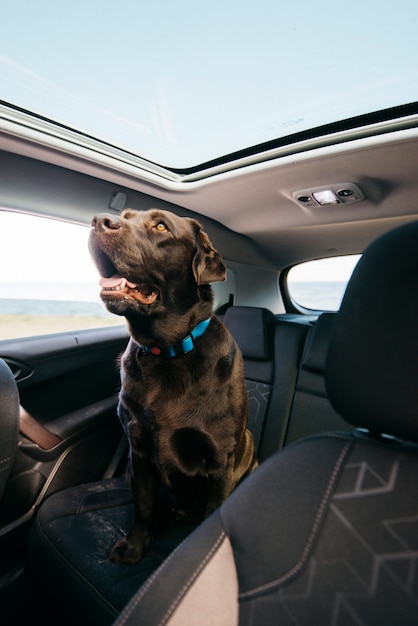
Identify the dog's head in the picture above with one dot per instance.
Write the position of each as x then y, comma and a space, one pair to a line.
151, 261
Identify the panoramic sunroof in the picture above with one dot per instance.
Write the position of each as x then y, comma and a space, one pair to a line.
182, 83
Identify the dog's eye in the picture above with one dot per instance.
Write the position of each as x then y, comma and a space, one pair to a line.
160, 226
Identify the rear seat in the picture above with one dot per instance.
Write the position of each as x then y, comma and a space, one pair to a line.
253, 329
284, 359
272, 350
288, 341
311, 410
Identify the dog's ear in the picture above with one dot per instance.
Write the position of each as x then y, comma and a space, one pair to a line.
207, 263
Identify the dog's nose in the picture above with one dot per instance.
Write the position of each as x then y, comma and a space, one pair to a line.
104, 221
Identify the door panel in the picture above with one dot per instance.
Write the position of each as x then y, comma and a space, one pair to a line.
68, 385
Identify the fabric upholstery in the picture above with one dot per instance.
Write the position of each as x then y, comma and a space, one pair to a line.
311, 410
252, 328
289, 338
333, 546
217, 579
69, 546
316, 348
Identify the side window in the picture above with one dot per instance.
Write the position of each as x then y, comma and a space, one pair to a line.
320, 285
48, 283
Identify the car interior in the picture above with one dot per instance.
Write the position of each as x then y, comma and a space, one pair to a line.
325, 530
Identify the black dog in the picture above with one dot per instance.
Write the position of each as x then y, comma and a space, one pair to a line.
183, 400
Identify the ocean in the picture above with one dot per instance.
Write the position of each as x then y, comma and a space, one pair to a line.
83, 298
51, 299
320, 295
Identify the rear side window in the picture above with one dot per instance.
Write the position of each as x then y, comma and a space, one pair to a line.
320, 285
48, 283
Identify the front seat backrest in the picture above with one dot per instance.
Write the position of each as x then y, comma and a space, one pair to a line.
9, 422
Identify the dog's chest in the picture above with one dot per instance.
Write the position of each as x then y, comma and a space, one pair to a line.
157, 384
176, 439
178, 407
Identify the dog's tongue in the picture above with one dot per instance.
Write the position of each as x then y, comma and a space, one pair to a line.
120, 285
114, 281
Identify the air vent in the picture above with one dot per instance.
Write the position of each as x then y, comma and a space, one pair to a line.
343, 193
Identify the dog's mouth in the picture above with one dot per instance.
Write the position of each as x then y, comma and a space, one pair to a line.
118, 286
117, 289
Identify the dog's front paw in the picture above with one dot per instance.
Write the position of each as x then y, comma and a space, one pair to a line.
126, 551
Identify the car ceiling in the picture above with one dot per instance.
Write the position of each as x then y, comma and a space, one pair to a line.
248, 208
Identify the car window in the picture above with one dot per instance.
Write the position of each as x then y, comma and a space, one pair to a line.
320, 285
48, 283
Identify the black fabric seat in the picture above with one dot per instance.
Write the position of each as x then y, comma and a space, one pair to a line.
311, 410
288, 341
272, 349
75, 529
325, 531
252, 329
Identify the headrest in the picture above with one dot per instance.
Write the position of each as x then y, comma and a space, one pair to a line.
372, 365
316, 348
250, 327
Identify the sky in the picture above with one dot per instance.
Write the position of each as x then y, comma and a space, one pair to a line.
182, 82
43, 239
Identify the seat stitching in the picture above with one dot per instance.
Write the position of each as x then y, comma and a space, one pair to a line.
191, 579
312, 535
131, 607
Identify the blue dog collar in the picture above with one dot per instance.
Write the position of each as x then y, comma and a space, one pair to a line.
183, 347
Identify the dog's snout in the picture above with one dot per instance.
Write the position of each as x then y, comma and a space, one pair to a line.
104, 221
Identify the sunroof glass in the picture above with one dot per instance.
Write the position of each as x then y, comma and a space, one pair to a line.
181, 86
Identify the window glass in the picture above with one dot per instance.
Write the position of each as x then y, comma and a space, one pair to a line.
270, 74
320, 285
48, 282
